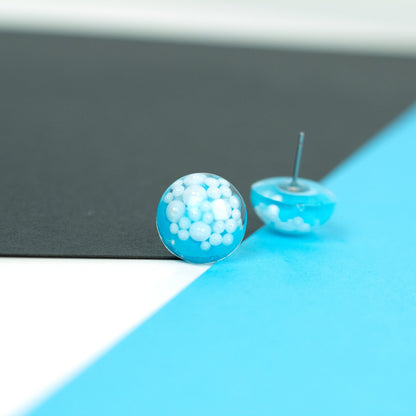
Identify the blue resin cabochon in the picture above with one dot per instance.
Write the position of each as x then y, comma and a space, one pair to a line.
292, 212
201, 218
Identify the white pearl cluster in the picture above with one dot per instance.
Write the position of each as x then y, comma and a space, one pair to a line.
270, 215
204, 209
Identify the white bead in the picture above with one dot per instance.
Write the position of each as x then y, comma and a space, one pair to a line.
208, 217
200, 231
174, 228
304, 227
214, 193
215, 239
224, 182
225, 191
168, 197
212, 182
179, 182
178, 191
194, 179
234, 202
184, 223
288, 226
236, 214
298, 220
175, 210
183, 235
273, 212
205, 245
230, 226
221, 209
194, 213
205, 206
227, 239
219, 227
194, 195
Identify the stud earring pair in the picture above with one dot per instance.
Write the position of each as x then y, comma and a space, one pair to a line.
202, 218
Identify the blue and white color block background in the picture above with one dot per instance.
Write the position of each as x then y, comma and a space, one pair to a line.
320, 325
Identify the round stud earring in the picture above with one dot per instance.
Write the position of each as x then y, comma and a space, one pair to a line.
292, 205
201, 218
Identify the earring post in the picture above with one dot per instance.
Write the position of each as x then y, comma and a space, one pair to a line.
296, 166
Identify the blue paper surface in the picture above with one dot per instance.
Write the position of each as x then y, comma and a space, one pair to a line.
321, 325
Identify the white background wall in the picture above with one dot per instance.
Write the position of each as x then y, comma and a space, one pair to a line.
361, 25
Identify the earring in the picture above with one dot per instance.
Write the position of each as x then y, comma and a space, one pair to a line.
201, 218
292, 205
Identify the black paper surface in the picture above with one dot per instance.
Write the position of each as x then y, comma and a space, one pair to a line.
92, 131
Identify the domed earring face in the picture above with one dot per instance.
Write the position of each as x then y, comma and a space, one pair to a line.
292, 205
201, 218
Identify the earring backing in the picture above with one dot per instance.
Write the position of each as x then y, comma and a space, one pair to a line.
292, 205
